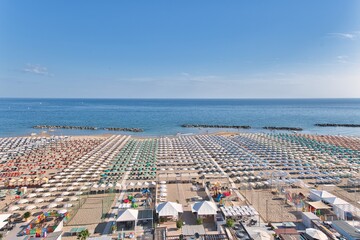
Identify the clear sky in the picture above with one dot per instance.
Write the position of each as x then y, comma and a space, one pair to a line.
180, 49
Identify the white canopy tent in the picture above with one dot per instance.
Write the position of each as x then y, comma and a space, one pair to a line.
127, 215
204, 208
169, 209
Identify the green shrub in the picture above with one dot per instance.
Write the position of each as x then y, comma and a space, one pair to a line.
179, 224
27, 215
83, 235
230, 222
199, 221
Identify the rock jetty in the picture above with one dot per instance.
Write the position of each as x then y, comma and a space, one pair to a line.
336, 125
65, 127
283, 128
213, 126
88, 128
125, 129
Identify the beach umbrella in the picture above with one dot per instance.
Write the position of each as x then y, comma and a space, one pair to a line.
62, 211
74, 198
31, 195
22, 201
52, 205
13, 208
58, 199
46, 195
38, 200
67, 205
30, 207
316, 234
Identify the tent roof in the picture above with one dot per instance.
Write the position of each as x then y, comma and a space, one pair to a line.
322, 194
169, 209
319, 205
204, 208
127, 215
335, 201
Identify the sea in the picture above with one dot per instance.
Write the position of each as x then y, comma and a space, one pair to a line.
164, 117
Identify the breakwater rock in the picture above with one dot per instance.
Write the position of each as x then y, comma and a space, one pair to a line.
283, 128
336, 125
88, 128
64, 127
213, 126
125, 129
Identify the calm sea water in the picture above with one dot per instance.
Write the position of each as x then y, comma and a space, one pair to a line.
164, 117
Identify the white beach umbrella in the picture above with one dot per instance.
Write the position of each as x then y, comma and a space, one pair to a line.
58, 199
22, 201
13, 208
74, 198
30, 207
52, 205
46, 194
316, 234
62, 211
38, 200
32, 195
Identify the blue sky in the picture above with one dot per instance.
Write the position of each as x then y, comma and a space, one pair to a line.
180, 49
